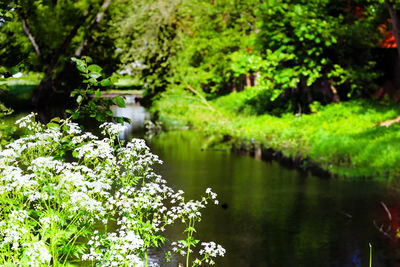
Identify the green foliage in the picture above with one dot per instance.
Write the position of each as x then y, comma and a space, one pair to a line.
44, 35
215, 32
146, 38
307, 42
185, 43
89, 99
289, 47
292, 49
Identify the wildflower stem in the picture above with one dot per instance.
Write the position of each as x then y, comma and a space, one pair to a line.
72, 244
188, 243
370, 255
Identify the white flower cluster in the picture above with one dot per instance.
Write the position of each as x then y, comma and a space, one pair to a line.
37, 253
179, 247
29, 123
115, 249
46, 222
112, 129
212, 249
13, 229
50, 197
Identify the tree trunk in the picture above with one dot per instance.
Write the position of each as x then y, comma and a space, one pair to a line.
394, 15
48, 86
336, 97
26, 28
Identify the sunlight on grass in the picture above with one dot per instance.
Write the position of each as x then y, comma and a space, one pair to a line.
343, 138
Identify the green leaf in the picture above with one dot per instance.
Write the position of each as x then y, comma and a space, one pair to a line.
114, 78
53, 125
95, 68
94, 75
119, 101
81, 68
75, 115
80, 64
93, 80
99, 117
75, 154
119, 119
13, 70
105, 82
65, 128
56, 119
127, 120
79, 99
77, 60
97, 93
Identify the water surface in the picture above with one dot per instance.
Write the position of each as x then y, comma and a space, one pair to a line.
274, 216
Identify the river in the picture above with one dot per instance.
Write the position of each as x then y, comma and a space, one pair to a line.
273, 216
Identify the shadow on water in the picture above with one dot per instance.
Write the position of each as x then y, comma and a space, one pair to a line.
273, 216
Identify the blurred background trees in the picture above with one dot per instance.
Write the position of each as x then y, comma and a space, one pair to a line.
281, 55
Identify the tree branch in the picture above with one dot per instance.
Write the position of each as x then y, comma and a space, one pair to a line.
103, 9
26, 28
191, 89
60, 51
99, 17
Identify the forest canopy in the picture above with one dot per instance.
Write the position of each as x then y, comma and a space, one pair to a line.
285, 54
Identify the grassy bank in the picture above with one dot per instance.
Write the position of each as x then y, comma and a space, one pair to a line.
18, 91
344, 139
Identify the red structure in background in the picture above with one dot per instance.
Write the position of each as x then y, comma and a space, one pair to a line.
391, 86
388, 41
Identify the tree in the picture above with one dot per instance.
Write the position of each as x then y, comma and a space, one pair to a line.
185, 43
393, 9
147, 39
46, 34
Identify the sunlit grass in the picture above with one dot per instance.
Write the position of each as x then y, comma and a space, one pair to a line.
344, 138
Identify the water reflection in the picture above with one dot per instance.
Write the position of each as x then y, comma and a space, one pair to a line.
137, 115
272, 216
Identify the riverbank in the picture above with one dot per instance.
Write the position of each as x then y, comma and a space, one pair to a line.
345, 139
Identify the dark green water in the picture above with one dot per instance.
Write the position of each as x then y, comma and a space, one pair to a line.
273, 216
